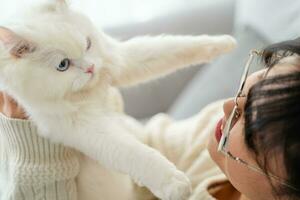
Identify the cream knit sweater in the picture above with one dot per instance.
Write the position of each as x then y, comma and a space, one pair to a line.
32, 168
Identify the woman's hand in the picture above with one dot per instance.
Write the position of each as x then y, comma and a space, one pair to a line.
10, 108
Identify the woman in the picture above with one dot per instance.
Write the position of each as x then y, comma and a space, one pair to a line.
253, 151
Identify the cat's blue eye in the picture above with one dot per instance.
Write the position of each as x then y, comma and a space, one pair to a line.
64, 65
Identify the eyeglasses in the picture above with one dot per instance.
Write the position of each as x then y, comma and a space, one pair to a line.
235, 113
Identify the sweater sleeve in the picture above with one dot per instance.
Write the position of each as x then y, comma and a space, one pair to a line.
184, 143
32, 167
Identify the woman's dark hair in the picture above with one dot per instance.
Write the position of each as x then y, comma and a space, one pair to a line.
272, 119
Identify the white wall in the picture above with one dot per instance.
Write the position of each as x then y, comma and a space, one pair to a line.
110, 13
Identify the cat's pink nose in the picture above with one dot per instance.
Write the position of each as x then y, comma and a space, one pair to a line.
90, 69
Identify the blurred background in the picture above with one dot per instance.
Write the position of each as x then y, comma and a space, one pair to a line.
255, 24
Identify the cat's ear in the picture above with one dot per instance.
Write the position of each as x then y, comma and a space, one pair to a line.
54, 6
15, 44
61, 5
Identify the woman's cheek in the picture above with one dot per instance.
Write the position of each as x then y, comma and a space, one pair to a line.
236, 146
234, 170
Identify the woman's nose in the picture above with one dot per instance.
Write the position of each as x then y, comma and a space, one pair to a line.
228, 107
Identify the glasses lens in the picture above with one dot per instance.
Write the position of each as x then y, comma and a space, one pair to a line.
224, 139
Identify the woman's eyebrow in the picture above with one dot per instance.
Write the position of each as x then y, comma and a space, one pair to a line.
241, 101
243, 95
264, 75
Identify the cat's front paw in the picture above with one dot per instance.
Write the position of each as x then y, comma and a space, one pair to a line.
177, 187
216, 46
225, 43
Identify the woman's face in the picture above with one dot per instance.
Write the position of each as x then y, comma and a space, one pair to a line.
250, 184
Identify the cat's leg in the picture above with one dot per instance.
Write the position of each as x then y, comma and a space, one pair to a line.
146, 58
118, 150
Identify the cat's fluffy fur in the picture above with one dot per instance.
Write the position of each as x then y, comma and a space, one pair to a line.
83, 110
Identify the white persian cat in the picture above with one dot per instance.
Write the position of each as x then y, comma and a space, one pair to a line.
65, 73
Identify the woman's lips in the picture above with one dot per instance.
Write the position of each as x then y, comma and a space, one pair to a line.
218, 130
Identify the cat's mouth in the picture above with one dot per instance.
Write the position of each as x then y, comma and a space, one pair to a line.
91, 73
90, 70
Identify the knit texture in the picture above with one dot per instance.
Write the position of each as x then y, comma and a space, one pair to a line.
184, 143
32, 167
